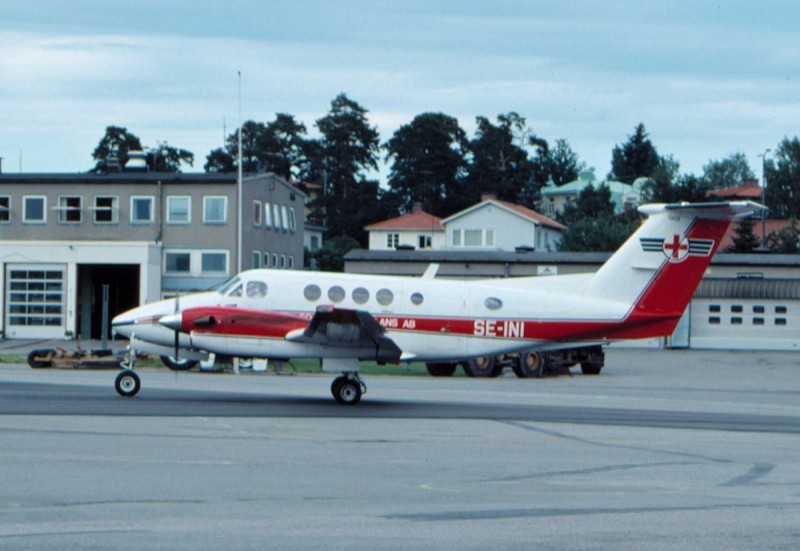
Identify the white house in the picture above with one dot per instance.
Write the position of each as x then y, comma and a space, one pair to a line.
623, 196
417, 230
501, 226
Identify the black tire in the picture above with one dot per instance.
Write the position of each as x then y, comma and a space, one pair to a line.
484, 366
127, 383
591, 368
529, 365
441, 369
346, 391
36, 361
178, 365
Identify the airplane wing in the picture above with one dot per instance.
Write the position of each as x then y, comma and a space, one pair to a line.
342, 328
328, 327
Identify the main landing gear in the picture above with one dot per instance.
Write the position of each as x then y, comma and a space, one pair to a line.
348, 388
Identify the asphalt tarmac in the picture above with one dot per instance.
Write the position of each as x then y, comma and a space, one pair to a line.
663, 450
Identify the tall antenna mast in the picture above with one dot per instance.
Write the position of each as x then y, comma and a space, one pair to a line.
239, 184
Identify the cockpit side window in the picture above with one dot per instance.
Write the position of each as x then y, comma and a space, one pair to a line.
256, 289
237, 292
228, 285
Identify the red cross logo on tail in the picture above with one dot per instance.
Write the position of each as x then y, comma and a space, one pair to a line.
677, 249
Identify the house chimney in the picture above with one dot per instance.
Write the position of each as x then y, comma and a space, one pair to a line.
750, 182
417, 207
488, 196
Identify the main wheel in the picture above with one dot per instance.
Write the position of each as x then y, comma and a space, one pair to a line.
529, 364
346, 391
441, 369
37, 359
177, 364
127, 383
484, 366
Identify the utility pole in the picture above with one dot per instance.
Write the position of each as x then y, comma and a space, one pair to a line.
763, 196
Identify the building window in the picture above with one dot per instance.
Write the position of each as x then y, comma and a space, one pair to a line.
285, 218
736, 321
105, 209
141, 210
177, 263
715, 308
714, 320
267, 215
283, 261
314, 242
758, 321
69, 209
179, 210
276, 216
266, 261
423, 241
473, 238
214, 263
780, 309
737, 309
215, 210
257, 213
392, 240
758, 309
256, 259
780, 321
275, 260
34, 210
290, 261
456, 238
292, 220
5, 209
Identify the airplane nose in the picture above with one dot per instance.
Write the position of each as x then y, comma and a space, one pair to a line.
172, 321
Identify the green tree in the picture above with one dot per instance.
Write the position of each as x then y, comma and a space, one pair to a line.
428, 162
330, 257
591, 203
599, 234
635, 158
782, 174
348, 148
115, 144
786, 240
730, 171
165, 158
745, 240
559, 164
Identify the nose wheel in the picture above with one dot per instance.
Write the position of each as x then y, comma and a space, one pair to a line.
348, 388
127, 383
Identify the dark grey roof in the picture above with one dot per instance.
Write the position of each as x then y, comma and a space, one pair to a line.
120, 177
477, 256
549, 257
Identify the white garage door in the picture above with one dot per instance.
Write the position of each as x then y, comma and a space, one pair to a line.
35, 301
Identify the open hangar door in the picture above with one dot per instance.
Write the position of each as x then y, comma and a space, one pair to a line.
123, 294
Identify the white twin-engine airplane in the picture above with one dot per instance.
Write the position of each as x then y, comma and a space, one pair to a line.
640, 292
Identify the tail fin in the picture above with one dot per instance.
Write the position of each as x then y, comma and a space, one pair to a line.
659, 267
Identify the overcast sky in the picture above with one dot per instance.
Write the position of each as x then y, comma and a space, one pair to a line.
706, 78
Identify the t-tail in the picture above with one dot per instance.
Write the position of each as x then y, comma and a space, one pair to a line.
659, 267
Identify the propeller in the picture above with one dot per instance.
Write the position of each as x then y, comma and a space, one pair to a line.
177, 333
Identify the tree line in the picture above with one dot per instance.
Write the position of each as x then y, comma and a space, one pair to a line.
432, 161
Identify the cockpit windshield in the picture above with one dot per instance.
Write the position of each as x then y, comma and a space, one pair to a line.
228, 285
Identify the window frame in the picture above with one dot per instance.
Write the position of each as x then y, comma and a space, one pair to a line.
113, 210
214, 222
268, 215
5, 210
142, 221
36, 221
257, 213
65, 210
170, 220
